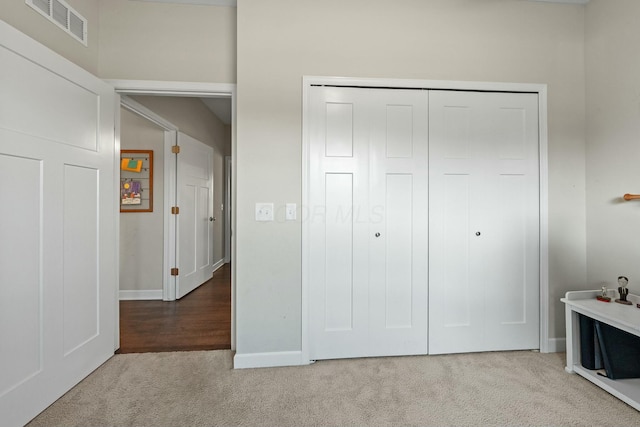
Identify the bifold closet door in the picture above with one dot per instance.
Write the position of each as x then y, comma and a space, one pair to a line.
484, 221
368, 222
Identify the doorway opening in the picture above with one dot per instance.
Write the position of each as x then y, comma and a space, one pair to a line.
204, 318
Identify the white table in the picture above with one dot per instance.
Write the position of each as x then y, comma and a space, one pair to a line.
624, 317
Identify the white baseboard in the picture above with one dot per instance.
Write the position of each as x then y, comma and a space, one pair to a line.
155, 294
267, 360
557, 345
218, 264
294, 358
141, 295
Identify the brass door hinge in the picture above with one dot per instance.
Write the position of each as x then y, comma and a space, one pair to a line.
174, 271
175, 149
175, 210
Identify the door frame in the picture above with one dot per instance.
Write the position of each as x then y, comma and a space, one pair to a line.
199, 90
540, 89
228, 183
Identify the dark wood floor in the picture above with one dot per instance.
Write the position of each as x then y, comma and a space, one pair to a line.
200, 320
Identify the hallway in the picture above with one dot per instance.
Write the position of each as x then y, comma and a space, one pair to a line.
199, 321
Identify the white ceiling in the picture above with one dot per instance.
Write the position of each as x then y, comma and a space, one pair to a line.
564, 1
233, 3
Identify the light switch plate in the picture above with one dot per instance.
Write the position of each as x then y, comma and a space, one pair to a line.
291, 212
264, 211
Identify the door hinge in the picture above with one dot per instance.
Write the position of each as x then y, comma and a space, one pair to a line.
175, 210
175, 149
174, 271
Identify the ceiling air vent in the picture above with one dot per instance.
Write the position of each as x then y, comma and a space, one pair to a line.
61, 14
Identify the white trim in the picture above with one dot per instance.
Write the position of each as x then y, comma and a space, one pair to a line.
218, 264
227, 208
155, 294
188, 89
234, 177
422, 84
556, 345
306, 231
541, 89
544, 219
116, 214
169, 281
269, 360
195, 89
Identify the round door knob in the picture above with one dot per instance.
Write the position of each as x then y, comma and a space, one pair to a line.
377, 234
211, 218
477, 233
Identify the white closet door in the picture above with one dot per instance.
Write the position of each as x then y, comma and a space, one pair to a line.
368, 232
484, 222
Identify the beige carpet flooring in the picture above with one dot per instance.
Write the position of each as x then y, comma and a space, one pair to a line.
201, 389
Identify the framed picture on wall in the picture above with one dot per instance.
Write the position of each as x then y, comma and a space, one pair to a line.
136, 180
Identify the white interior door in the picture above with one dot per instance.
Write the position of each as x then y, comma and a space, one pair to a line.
484, 222
194, 233
58, 264
368, 231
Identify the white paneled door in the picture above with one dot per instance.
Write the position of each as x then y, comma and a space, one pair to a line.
195, 220
484, 221
368, 218
58, 210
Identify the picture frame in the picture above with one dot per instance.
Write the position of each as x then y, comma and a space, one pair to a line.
136, 181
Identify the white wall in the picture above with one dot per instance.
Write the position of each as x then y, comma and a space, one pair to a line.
279, 41
160, 41
17, 14
141, 233
613, 142
192, 117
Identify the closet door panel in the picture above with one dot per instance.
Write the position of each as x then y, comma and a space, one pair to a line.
399, 224
338, 298
338, 212
487, 229
368, 248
